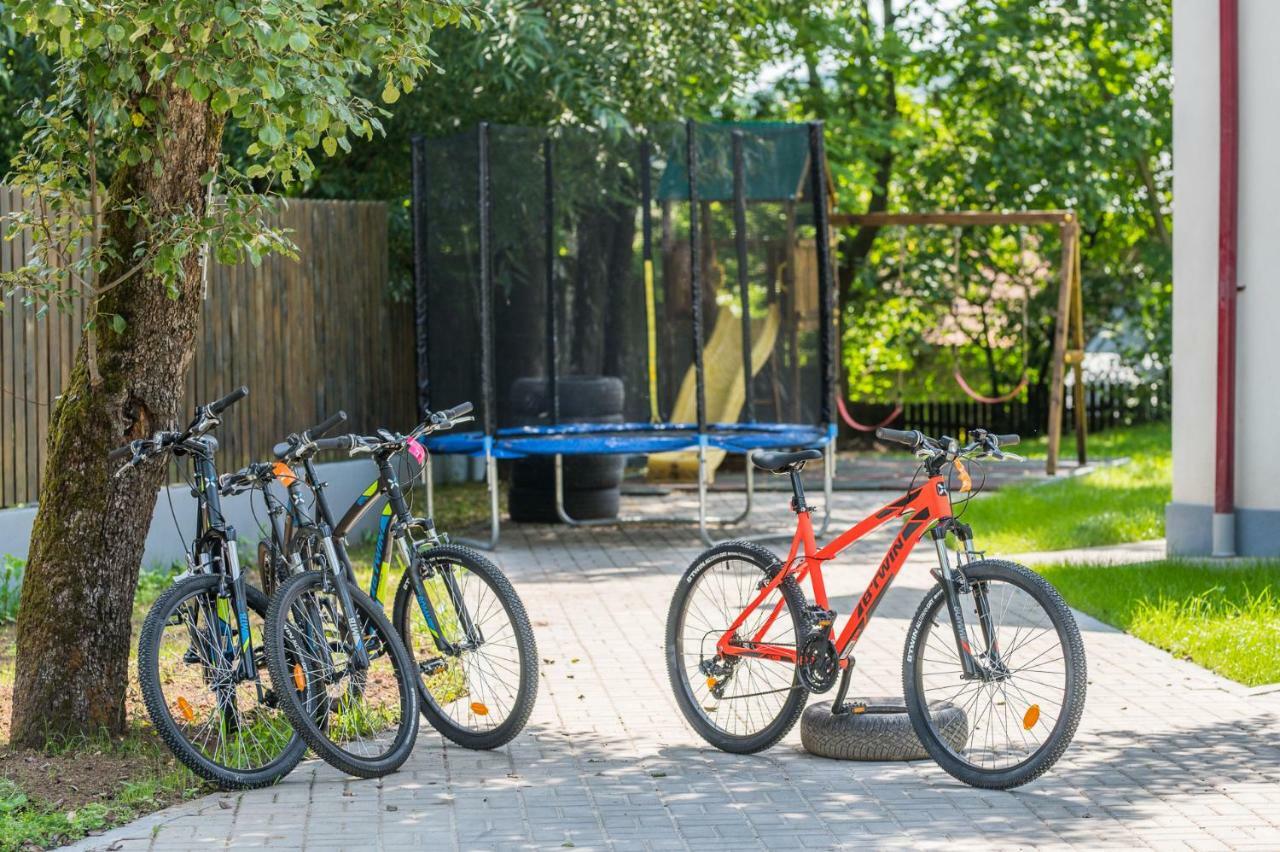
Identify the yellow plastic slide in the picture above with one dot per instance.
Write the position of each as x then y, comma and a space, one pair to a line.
722, 365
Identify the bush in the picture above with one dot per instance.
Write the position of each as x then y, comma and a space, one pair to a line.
11, 571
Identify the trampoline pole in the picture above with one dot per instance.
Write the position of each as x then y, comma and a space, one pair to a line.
486, 283
695, 278
826, 301
702, 491
421, 304
650, 302
744, 287
553, 338
491, 474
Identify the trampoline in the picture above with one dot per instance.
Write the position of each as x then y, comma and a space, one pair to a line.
690, 262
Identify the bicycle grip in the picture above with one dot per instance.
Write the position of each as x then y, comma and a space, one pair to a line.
341, 442
325, 425
120, 453
910, 438
458, 410
220, 405
1007, 440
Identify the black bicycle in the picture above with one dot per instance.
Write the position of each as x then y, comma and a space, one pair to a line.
201, 666
356, 701
461, 621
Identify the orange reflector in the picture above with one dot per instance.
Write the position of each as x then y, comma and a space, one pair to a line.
966, 481
188, 712
711, 683
859, 708
1032, 716
298, 680
284, 473
479, 709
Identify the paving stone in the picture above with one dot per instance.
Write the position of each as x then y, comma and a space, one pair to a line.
1168, 755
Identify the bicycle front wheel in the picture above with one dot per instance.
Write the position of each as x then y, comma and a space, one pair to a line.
478, 664
1023, 704
224, 727
361, 720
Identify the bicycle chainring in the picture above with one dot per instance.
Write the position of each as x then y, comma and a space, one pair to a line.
819, 664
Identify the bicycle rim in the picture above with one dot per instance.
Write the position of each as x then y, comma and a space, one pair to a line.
229, 727
476, 682
737, 696
356, 717
1013, 709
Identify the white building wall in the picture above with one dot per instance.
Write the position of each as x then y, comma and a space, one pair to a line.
1195, 230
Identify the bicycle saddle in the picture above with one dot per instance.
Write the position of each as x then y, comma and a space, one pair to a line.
783, 462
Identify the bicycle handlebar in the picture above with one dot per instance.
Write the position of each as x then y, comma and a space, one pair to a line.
325, 425
220, 405
910, 438
120, 453
340, 442
459, 410
1009, 440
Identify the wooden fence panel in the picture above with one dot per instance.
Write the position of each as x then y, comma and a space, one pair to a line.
308, 336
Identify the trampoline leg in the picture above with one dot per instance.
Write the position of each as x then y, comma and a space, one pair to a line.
495, 529
828, 484
431, 487
702, 494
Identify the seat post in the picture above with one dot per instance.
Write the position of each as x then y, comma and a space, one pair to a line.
798, 504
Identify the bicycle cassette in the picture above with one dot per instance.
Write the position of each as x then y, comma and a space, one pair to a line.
819, 664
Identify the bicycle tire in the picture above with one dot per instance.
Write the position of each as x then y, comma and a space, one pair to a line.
521, 705
149, 642
690, 705
1075, 678
314, 726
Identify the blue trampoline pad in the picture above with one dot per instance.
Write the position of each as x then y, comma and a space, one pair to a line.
573, 439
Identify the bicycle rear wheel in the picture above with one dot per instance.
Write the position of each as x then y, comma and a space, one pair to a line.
226, 729
1023, 707
477, 692
739, 704
361, 721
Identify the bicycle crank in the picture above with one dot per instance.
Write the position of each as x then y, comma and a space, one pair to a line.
819, 664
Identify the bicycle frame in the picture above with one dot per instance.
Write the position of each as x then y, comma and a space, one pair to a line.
212, 529
927, 506
394, 526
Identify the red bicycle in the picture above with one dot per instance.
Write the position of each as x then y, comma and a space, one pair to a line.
993, 672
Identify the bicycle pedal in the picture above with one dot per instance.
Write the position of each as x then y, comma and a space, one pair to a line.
191, 657
432, 666
820, 618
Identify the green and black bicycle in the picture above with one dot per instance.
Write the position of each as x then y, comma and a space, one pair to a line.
201, 663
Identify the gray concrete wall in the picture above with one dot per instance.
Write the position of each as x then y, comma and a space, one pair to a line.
165, 544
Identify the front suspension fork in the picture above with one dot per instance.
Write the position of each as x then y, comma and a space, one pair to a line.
952, 581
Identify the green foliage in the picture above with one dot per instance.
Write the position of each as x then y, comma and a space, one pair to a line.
997, 105
1109, 506
1222, 616
11, 571
126, 74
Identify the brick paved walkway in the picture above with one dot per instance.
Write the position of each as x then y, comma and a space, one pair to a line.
1168, 755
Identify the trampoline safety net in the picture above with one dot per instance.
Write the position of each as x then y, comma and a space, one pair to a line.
543, 256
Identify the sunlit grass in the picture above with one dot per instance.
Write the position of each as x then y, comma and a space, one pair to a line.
1109, 506
1223, 617
35, 817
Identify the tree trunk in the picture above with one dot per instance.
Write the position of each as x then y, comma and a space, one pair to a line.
87, 543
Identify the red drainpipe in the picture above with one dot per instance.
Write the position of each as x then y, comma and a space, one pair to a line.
1228, 192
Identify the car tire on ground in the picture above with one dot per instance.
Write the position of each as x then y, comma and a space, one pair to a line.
882, 732
538, 506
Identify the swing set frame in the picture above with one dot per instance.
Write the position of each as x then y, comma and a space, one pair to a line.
1070, 308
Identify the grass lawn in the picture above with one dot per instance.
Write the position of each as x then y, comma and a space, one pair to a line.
53, 796
1223, 617
1109, 506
